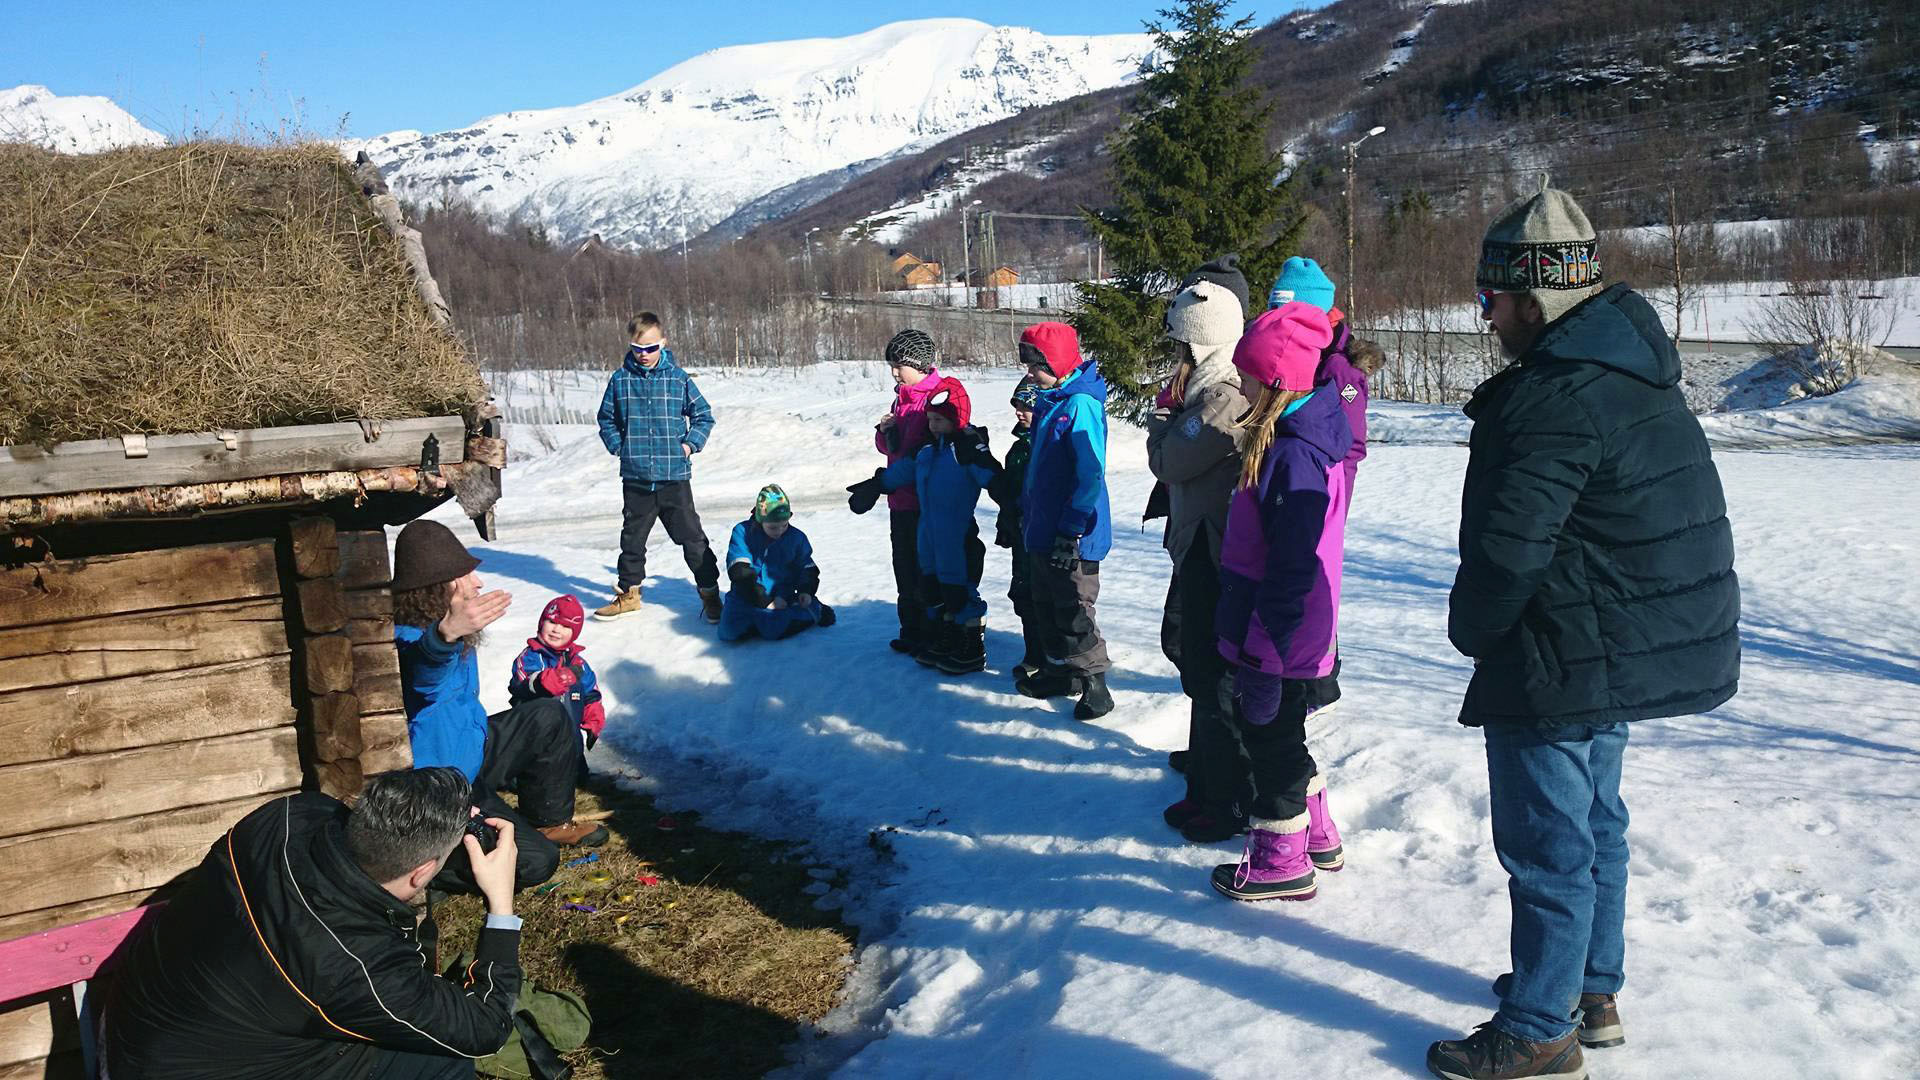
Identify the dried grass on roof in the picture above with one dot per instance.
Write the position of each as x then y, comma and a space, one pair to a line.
206, 286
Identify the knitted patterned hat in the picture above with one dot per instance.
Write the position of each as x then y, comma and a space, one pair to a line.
1211, 306
950, 400
1303, 280
1542, 245
1026, 393
772, 504
1224, 272
914, 349
564, 610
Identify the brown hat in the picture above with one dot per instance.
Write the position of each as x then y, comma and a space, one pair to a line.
428, 553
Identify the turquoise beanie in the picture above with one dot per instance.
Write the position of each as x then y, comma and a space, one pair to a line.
1303, 280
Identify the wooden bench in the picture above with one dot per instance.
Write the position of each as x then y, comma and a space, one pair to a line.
34, 1027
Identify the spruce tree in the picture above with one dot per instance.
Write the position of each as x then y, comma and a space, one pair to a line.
1193, 178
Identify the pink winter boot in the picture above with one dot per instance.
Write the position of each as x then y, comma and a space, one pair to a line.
1275, 865
1323, 836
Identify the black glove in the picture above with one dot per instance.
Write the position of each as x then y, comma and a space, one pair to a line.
862, 496
1005, 532
970, 448
1065, 554
747, 583
809, 581
587, 736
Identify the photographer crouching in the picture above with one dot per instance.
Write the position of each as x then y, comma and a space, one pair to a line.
297, 950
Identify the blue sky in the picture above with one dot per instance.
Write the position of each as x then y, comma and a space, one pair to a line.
356, 68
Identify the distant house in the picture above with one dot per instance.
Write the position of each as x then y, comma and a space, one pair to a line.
593, 245
998, 277
905, 262
922, 275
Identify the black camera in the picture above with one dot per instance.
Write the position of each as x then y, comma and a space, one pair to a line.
478, 828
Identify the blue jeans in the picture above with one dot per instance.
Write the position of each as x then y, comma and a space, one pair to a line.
1560, 830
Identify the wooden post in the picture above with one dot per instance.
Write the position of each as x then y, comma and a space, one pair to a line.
318, 621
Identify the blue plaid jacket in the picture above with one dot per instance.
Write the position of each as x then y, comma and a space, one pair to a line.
645, 416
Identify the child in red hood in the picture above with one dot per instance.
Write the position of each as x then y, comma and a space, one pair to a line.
552, 666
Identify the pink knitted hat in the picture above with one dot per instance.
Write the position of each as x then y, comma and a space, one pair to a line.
1281, 349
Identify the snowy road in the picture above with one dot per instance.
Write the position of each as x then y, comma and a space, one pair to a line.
1038, 920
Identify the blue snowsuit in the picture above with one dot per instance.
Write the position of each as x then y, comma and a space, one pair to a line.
781, 569
646, 414
1066, 493
948, 492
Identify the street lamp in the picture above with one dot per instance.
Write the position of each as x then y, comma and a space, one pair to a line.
1353, 160
966, 254
810, 233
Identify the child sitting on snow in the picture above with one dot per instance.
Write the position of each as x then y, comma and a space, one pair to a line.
552, 665
770, 565
947, 475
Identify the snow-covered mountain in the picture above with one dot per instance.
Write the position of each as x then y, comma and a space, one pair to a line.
76, 124
690, 146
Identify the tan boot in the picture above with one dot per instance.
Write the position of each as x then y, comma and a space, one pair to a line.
710, 605
576, 833
625, 604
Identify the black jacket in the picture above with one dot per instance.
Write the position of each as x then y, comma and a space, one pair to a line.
280, 958
1596, 575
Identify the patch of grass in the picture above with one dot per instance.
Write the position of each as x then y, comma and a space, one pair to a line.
708, 973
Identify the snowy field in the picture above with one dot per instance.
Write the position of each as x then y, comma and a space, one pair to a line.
1031, 916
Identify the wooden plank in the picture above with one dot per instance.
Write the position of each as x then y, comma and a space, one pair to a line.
65, 1066
376, 678
385, 745
106, 857
46, 795
340, 779
29, 1032
200, 458
364, 563
370, 617
147, 581
334, 726
314, 543
329, 663
32, 922
145, 710
120, 645
323, 605
60, 957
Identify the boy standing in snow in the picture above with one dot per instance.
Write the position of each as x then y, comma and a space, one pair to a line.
1596, 587
947, 476
654, 420
553, 665
1065, 520
775, 584
1007, 490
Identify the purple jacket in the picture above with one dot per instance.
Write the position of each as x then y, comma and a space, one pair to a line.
1337, 371
1286, 538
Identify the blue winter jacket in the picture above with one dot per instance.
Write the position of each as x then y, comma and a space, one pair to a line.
1066, 492
537, 657
440, 686
948, 492
646, 414
783, 567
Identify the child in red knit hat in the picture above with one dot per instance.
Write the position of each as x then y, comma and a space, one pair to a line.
552, 665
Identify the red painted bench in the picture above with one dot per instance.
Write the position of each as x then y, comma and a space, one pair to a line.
69, 956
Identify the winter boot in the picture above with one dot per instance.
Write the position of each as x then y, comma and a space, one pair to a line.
1177, 760
1035, 657
1214, 823
1274, 865
1597, 1014
1182, 812
1048, 682
1323, 836
710, 605
827, 617
625, 604
576, 833
1095, 701
1492, 1054
938, 644
967, 651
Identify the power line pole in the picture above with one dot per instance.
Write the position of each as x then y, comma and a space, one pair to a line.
1353, 163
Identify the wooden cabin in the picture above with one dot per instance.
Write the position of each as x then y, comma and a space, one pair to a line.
904, 262
922, 275
194, 622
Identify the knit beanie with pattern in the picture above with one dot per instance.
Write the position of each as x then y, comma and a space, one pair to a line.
1211, 306
1545, 246
772, 504
912, 348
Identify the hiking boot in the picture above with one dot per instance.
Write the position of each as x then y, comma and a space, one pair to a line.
938, 644
1034, 658
1492, 1054
1323, 836
1095, 701
1046, 683
1274, 865
967, 651
827, 617
1597, 1014
1182, 812
1600, 1025
1214, 824
576, 833
710, 605
625, 604
1177, 760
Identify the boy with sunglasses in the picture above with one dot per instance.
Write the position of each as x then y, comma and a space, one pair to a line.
654, 419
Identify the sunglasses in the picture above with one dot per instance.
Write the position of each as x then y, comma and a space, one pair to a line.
647, 350
1487, 297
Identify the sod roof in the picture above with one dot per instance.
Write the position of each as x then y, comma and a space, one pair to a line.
206, 286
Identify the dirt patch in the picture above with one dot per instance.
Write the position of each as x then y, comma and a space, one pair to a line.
707, 972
